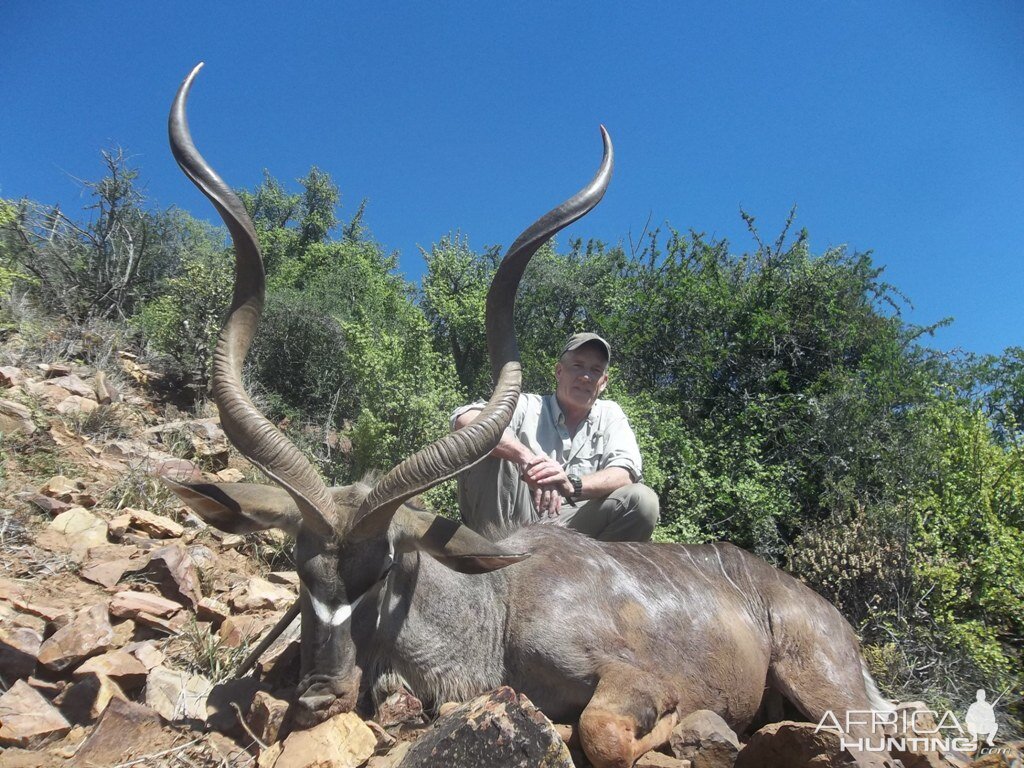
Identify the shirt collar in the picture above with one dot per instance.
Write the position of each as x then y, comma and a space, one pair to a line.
559, 417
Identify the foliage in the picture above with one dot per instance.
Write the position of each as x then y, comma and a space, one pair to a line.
103, 267
341, 341
184, 321
971, 508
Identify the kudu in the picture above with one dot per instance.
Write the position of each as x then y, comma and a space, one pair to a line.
625, 637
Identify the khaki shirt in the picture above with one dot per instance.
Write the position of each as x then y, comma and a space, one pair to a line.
494, 501
603, 440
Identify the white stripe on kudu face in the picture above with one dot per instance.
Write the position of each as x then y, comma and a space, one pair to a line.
334, 616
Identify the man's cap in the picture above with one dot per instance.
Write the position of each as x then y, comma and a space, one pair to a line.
578, 340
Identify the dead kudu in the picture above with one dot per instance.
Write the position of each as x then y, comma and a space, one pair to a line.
626, 638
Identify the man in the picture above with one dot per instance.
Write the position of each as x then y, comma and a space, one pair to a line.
566, 459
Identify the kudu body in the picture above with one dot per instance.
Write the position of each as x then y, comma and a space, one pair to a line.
625, 637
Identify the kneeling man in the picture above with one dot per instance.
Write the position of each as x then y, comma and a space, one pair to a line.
566, 459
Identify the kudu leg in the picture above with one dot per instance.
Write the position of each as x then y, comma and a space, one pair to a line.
837, 687
626, 718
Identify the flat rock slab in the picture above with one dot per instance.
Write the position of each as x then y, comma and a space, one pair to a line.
72, 384
344, 741
177, 695
11, 376
88, 634
119, 665
132, 605
125, 732
27, 719
73, 404
152, 524
88, 698
19, 647
15, 418
75, 530
499, 728
789, 744
175, 574
261, 595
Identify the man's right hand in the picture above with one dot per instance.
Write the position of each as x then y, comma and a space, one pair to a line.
549, 482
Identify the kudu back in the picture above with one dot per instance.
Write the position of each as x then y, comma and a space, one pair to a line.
625, 637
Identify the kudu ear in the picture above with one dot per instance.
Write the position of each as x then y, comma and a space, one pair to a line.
450, 543
240, 507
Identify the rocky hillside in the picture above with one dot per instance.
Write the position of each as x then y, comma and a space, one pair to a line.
124, 617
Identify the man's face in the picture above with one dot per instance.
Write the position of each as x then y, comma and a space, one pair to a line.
582, 376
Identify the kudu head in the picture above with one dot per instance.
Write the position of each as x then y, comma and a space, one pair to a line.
346, 537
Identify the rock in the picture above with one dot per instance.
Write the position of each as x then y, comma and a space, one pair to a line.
27, 719
213, 611
266, 716
146, 652
788, 744
182, 470
74, 404
133, 605
915, 720
259, 594
15, 419
88, 698
125, 732
176, 575
59, 617
231, 475
659, 760
11, 376
268, 756
107, 563
75, 531
49, 688
205, 435
51, 506
498, 728
238, 630
61, 487
1008, 755
450, 706
19, 647
202, 556
177, 695
392, 758
288, 578
230, 540
105, 392
72, 384
704, 738
385, 740
124, 632
157, 526
51, 394
119, 665
54, 370
344, 741
88, 634
118, 526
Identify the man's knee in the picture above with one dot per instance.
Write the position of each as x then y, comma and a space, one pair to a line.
640, 502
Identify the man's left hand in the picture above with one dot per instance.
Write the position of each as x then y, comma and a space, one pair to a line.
545, 472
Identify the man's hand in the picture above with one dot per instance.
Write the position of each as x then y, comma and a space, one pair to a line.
549, 482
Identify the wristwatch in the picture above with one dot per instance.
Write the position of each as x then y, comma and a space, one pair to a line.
577, 487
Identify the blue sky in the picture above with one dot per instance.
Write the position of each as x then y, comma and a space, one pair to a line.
895, 127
